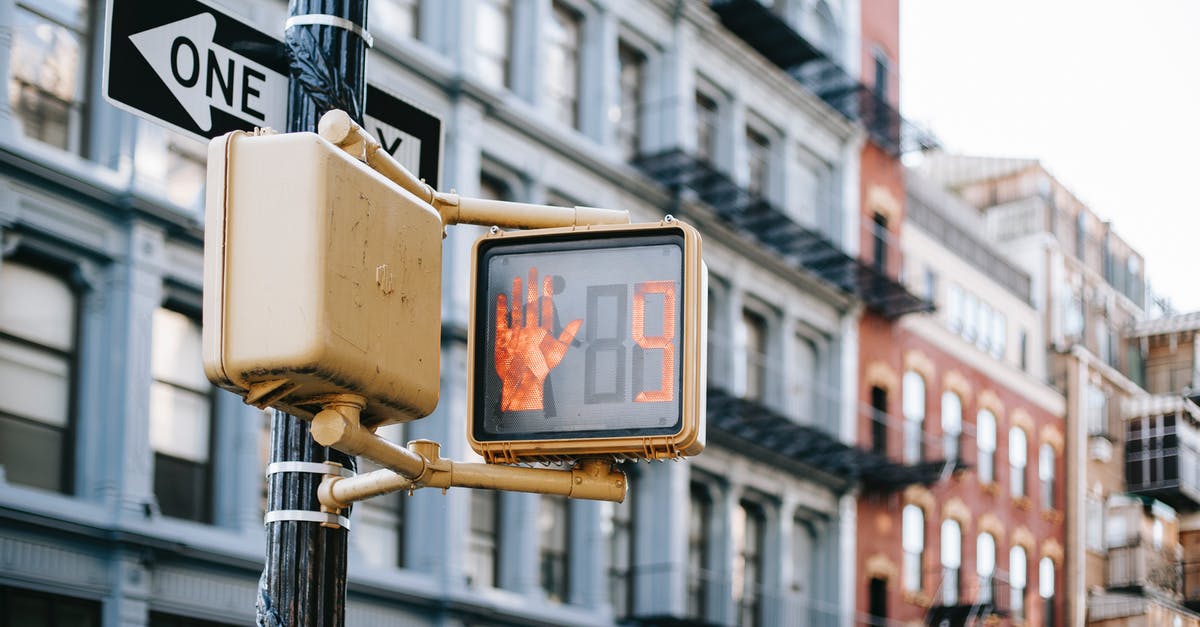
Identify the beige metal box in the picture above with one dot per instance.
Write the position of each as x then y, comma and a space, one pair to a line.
320, 277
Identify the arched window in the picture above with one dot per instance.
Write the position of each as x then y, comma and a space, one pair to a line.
951, 425
1046, 590
1016, 580
1017, 457
914, 415
951, 561
1046, 462
914, 546
985, 437
985, 565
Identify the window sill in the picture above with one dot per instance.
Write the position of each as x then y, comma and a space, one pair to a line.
1053, 516
920, 599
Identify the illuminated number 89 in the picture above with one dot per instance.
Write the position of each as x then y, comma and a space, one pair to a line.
664, 342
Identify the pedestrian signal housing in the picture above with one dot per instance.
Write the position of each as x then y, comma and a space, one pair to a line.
321, 277
588, 342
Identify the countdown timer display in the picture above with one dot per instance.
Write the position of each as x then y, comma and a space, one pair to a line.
588, 337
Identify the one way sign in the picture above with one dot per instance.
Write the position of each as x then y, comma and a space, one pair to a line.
202, 72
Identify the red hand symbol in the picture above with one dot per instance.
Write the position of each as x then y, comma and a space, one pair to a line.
526, 351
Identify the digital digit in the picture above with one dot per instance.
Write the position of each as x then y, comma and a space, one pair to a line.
664, 342
618, 295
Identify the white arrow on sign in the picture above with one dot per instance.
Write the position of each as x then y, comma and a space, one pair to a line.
202, 75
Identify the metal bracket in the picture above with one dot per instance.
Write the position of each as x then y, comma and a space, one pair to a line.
316, 468
301, 515
318, 19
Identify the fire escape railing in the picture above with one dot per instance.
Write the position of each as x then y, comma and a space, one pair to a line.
807, 250
743, 422
780, 44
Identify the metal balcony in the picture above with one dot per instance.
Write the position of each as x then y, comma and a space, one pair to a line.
757, 430
1139, 567
976, 601
1161, 457
780, 44
807, 250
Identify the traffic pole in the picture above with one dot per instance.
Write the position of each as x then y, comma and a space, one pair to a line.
303, 582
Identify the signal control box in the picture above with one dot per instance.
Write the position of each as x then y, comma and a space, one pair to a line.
321, 277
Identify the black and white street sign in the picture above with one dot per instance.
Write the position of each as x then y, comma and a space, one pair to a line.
200, 71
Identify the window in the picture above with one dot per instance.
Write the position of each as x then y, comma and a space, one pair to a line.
985, 566
48, 72
970, 317
160, 619
877, 609
707, 125
954, 308
758, 158
555, 531
805, 566
27, 608
914, 416
37, 355
951, 425
493, 41
913, 541
999, 334
621, 582
483, 559
748, 526
806, 367
1097, 411
186, 171
378, 536
1156, 534
397, 18
879, 240
1046, 590
1151, 452
807, 180
180, 418
631, 76
1073, 316
1023, 346
880, 86
1046, 471
1017, 458
985, 437
562, 64
755, 327
1094, 530
1016, 581
929, 285
984, 338
951, 561
879, 420
1081, 235
699, 553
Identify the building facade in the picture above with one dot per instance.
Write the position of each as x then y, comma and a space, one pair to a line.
126, 497
1091, 290
983, 541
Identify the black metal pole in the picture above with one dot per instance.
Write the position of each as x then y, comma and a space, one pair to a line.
304, 579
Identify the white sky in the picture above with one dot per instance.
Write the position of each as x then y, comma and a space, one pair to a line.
1106, 94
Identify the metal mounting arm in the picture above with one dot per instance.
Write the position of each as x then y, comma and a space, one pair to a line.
339, 129
422, 466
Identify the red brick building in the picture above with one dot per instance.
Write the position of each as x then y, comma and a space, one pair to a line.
961, 391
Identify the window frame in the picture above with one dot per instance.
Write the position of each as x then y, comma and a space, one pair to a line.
952, 428
628, 137
185, 305
1018, 465
986, 454
30, 256
914, 422
506, 9
572, 21
83, 27
913, 546
556, 591
484, 541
